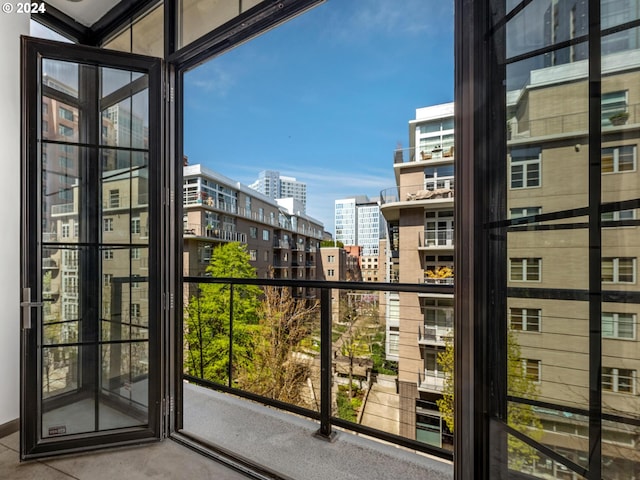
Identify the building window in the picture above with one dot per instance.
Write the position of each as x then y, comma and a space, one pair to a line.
253, 232
107, 224
135, 226
618, 159
135, 283
265, 235
66, 230
114, 198
524, 319
331, 272
253, 255
525, 269
106, 279
331, 258
619, 270
135, 254
531, 369
65, 131
620, 380
265, 256
618, 215
65, 113
614, 104
135, 310
524, 212
618, 325
525, 167
108, 254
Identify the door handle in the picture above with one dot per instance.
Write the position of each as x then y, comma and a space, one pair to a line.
26, 304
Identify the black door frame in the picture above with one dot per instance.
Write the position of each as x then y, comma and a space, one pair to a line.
33, 50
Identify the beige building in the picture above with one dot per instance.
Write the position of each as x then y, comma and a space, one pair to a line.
419, 214
547, 145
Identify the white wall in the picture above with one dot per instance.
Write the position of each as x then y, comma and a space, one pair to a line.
11, 27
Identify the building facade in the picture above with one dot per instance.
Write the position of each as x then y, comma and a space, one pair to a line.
419, 215
280, 242
274, 185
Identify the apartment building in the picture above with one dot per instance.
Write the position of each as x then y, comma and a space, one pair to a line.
274, 186
280, 239
419, 215
547, 145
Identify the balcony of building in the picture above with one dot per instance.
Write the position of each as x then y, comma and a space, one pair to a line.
572, 124
438, 239
428, 195
206, 231
431, 381
423, 154
434, 335
279, 243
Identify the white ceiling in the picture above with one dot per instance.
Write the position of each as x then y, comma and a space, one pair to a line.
86, 12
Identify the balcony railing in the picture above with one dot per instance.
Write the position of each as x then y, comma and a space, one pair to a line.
116, 202
570, 123
431, 381
410, 193
277, 243
273, 341
433, 335
206, 231
437, 238
423, 153
63, 209
438, 281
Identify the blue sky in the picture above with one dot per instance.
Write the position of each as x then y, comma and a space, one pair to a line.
324, 98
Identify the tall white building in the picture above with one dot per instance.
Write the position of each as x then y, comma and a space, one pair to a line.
274, 185
357, 222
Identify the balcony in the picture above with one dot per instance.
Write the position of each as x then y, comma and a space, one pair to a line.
438, 281
418, 193
436, 239
205, 231
49, 264
63, 209
124, 201
334, 347
430, 381
434, 335
572, 123
277, 243
425, 153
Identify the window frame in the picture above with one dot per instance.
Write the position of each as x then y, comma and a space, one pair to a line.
525, 269
615, 270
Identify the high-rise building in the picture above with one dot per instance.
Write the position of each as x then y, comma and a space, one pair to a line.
274, 185
419, 216
358, 222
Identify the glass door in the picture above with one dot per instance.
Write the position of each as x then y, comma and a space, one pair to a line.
91, 201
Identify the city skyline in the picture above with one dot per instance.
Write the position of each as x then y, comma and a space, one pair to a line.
243, 110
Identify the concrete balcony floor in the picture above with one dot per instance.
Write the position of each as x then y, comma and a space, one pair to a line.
275, 441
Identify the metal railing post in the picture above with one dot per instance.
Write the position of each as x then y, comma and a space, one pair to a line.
325, 365
230, 366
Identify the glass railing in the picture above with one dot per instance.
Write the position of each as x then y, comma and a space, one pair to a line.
570, 123
208, 231
409, 193
423, 153
313, 348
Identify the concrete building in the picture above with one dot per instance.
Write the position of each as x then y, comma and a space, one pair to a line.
358, 222
274, 186
280, 240
419, 215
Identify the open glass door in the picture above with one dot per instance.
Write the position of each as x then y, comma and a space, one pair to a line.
91, 202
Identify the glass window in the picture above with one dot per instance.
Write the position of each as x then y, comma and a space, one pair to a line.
135, 226
614, 108
621, 380
524, 319
253, 232
107, 224
525, 269
265, 235
525, 167
65, 114
618, 270
253, 255
618, 325
619, 159
531, 369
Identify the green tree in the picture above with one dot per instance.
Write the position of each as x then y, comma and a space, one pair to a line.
207, 326
331, 243
520, 417
280, 368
